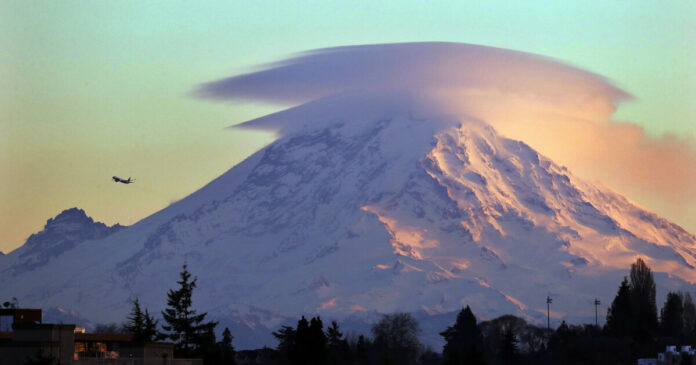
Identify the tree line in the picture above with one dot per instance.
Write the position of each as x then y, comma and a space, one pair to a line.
633, 329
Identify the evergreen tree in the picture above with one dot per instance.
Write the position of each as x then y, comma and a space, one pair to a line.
643, 303
286, 342
186, 328
337, 346
334, 335
317, 342
226, 348
509, 350
671, 316
150, 332
302, 345
362, 350
207, 347
140, 324
689, 317
619, 314
135, 321
561, 339
463, 341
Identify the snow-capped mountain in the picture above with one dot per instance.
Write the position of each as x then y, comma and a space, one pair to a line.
364, 205
60, 234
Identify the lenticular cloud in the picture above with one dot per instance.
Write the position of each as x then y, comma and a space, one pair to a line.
429, 67
561, 110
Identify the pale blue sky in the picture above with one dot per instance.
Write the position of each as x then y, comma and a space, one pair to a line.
89, 89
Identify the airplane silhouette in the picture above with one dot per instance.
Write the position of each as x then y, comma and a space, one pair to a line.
118, 179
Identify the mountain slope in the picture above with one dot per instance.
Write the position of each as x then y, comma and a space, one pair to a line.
60, 234
365, 206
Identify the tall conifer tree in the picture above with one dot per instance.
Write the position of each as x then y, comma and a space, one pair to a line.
689, 319
302, 345
150, 332
141, 324
643, 300
226, 348
135, 321
619, 315
671, 316
184, 326
286, 337
337, 346
464, 343
317, 342
362, 348
334, 336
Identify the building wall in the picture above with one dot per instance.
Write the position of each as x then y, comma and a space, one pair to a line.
19, 352
58, 339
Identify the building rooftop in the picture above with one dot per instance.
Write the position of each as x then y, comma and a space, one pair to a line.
104, 337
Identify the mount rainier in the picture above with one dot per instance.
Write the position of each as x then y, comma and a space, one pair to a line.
365, 204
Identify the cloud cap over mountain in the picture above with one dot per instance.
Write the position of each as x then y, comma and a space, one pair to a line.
563, 111
412, 66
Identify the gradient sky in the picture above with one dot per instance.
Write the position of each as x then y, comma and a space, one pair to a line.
91, 89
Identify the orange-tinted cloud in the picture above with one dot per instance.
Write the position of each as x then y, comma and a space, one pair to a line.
562, 111
656, 171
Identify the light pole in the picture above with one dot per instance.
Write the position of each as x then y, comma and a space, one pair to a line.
596, 303
548, 312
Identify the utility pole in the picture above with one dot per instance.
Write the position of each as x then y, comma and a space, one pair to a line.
596, 303
548, 312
